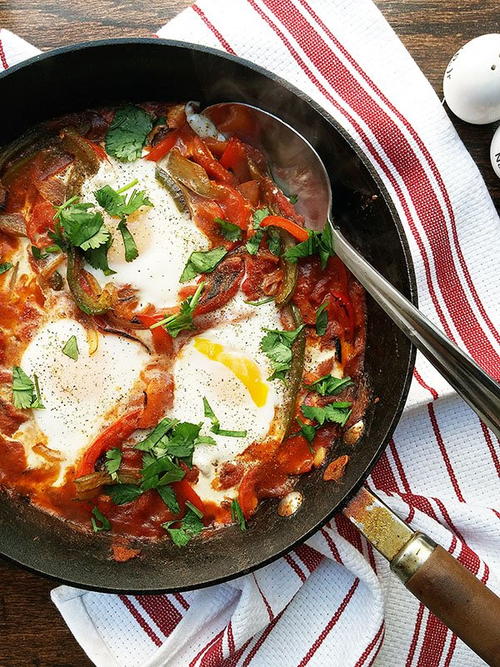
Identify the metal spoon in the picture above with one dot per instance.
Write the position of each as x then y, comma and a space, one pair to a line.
297, 164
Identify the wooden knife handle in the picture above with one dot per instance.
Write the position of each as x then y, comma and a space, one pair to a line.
461, 601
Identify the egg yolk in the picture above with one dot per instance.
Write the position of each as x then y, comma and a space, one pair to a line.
246, 370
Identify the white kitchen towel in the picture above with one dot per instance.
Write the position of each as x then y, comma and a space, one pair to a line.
333, 601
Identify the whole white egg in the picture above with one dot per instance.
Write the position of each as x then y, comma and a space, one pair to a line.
495, 152
471, 82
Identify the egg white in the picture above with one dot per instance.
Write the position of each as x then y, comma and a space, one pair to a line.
165, 238
76, 394
196, 376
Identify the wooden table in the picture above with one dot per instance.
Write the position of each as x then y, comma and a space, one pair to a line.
31, 630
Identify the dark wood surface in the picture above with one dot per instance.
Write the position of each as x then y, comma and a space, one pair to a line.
31, 630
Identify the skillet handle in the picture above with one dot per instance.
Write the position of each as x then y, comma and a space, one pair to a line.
453, 594
477, 388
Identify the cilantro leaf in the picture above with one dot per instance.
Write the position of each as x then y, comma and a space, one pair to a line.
268, 299
253, 243
43, 253
208, 412
113, 462
167, 494
183, 320
82, 228
161, 471
328, 385
127, 133
237, 515
259, 215
121, 494
307, 430
194, 509
163, 427
334, 412
129, 244
116, 203
191, 525
5, 267
202, 262
25, 393
70, 348
277, 346
320, 243
321, 320
99, 521
98, 258
229, 230
183, 440
205, 440
274, 241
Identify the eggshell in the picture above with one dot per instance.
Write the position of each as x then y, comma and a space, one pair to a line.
471, 82
495, 152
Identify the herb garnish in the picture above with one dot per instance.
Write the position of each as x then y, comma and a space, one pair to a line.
190, 526
202, 262
321, 319
129, 244
320, 243
277, 346
307, 430
5, 267
337, 413
26, 394
268, 299
99, 521
329, 385
237, 515
43, 253
229, 230
79, 226
113, 462
70, 348
183, 320
208, 412
127, 133
253, 243
116, 203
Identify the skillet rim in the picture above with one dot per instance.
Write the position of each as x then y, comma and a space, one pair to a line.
408, 269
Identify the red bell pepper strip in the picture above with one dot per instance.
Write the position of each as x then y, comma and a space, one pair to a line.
346, 305
162, 339
161, 149
184, 491
292, 228
98, 150
201, 154
113, 436
235, 155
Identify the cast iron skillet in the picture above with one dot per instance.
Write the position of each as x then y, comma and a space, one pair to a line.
97, 73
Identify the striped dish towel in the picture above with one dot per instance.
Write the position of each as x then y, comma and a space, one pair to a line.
333, 601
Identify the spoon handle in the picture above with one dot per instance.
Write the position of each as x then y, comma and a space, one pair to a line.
477, 388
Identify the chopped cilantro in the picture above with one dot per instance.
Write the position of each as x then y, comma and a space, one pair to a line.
99, 521
183, 320
70, 348
121, 494
277, 346
190, 526
320, 243
321, 319
113, 462
26, 394
116, 203
328, 385
208, 412
127, 133
202, 262
237, 515
131, 252
333, 412
229, 230
98, 258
